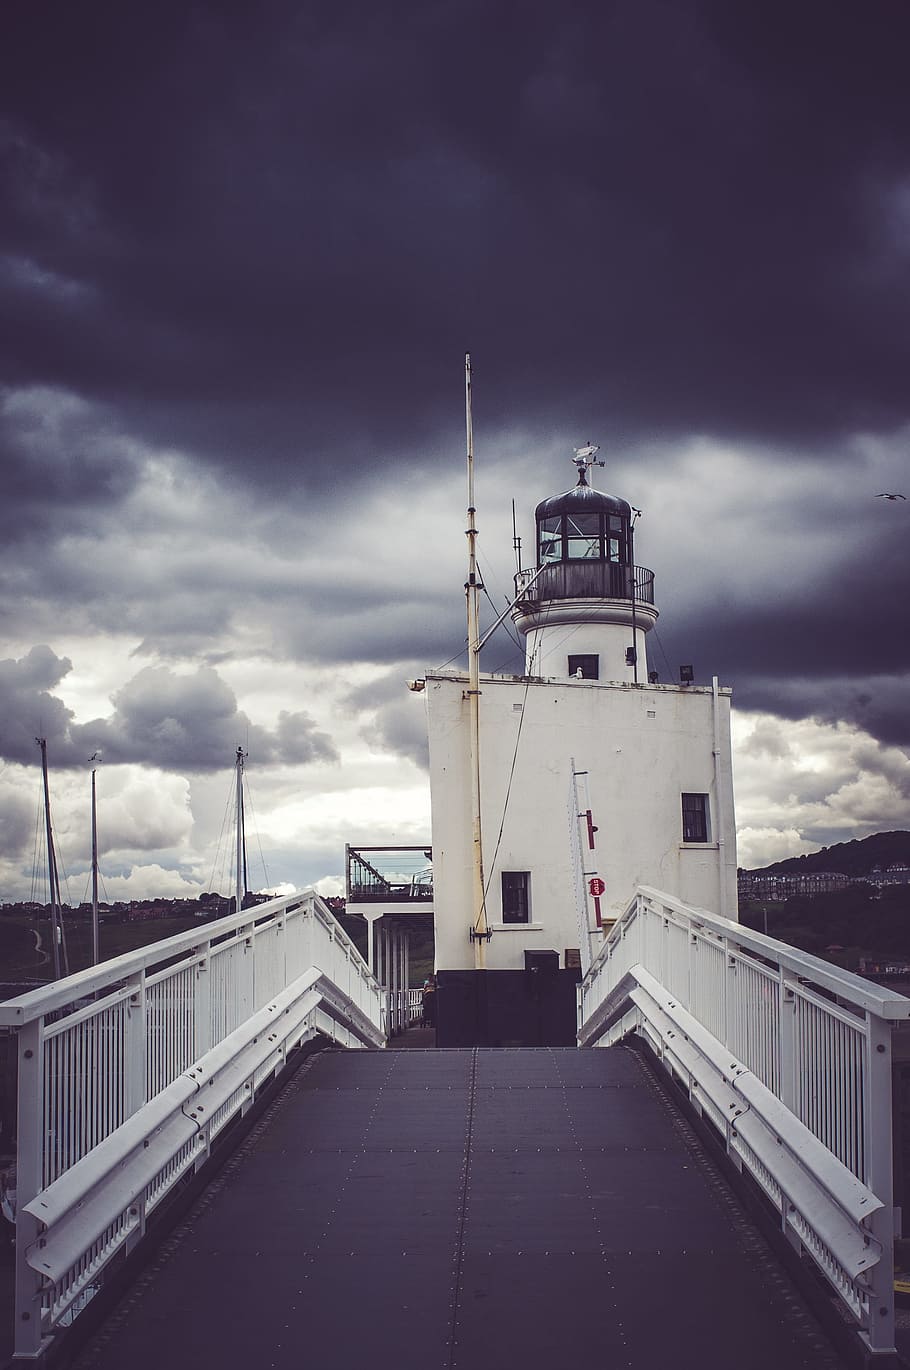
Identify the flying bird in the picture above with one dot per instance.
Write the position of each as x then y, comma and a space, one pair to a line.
885, 495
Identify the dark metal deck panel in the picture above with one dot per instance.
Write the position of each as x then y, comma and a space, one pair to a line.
471, 1209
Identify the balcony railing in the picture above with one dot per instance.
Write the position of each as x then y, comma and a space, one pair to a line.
586, 580
389, 875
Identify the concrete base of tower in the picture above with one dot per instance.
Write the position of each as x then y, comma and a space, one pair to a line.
535, 1007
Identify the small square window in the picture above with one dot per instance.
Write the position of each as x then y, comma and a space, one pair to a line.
695, 818
587, 667
516, 896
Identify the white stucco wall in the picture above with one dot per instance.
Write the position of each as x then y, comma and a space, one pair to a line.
556, 629
642, 747
548, 648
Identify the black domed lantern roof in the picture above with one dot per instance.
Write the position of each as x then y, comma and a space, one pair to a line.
584, 524
584, 500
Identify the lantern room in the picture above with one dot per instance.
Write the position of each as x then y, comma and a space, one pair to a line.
586, 607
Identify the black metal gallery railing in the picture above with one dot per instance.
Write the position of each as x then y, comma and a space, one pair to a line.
586, 580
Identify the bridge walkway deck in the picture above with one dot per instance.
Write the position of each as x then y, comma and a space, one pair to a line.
466, 1209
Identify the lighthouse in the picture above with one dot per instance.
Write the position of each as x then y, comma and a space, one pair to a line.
586, 609
594, 778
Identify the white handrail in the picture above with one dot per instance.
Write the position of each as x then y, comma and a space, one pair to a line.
119, 1052
788, 1056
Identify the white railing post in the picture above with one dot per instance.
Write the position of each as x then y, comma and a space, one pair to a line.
786, 1044
246, 986
202, 1006
135, 1046
29, 1183
879, 1178
398, 966
307, 936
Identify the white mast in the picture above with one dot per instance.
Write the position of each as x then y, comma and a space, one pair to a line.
480, 933
241, 864
58, 937
96, 949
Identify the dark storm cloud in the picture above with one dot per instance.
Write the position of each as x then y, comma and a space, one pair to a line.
830, 645
400, 727
397, 720
17, 823
27, 706
267, 234
191, 722
57, 453
877, 704
176, 722
262, 238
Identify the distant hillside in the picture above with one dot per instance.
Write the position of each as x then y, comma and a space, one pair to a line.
850, 858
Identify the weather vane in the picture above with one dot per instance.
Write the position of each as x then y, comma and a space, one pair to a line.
586, 457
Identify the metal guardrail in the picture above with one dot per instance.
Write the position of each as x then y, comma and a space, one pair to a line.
404, 1008
585, 579
388, 874
789, 1058
128, 1072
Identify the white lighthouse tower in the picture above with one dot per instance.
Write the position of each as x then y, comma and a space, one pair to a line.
586, 610
656, 765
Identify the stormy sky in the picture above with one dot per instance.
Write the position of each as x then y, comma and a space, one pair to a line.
243, 250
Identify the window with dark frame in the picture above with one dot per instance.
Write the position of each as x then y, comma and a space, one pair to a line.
695, 817
587, 664
516, 901
583, 536
550, 536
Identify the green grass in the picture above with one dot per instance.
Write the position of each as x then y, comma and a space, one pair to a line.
20, 961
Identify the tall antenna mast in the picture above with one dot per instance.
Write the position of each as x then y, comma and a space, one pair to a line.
636, 515
241, 836
57, 934
96, 948
480, 933
516, 542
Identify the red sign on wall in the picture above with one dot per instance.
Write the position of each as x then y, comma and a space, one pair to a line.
597, 886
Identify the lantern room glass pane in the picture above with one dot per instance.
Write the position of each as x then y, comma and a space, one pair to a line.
583, 536
550, 535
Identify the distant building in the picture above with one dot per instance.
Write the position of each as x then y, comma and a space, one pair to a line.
777, 888
896, 874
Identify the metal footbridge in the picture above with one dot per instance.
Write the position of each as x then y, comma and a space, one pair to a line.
454, 1207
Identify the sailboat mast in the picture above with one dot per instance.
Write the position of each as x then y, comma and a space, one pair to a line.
96, 947
51, 863
479, 930
241, 859
246, 874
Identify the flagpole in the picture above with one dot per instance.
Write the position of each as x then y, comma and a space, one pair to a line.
480, 932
